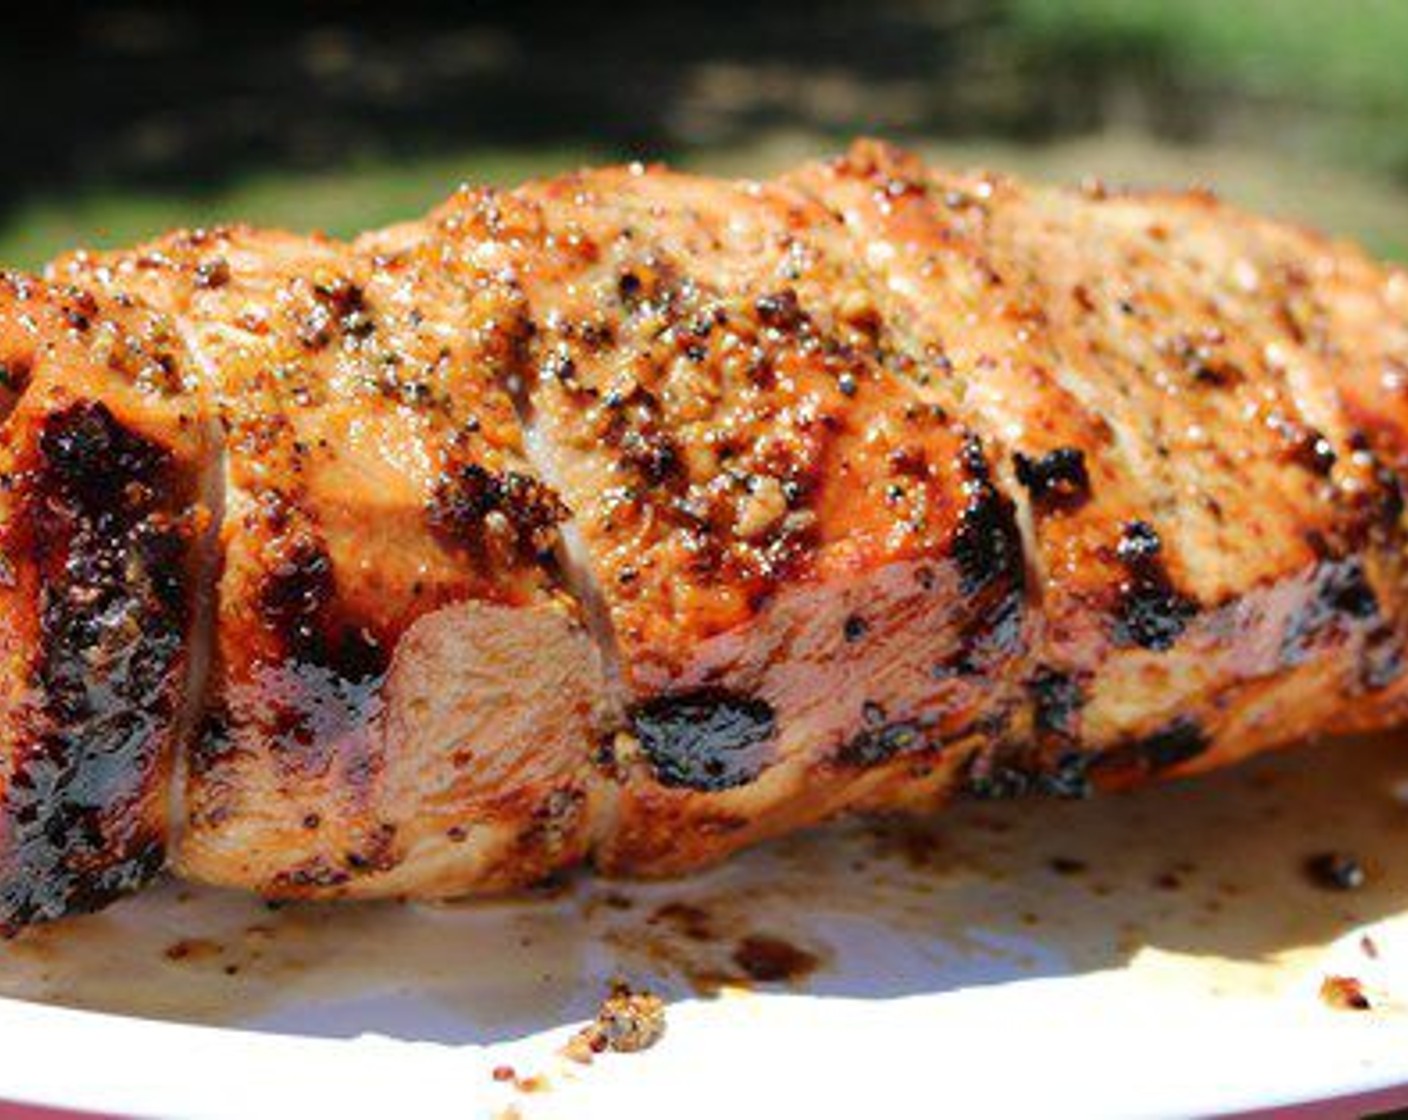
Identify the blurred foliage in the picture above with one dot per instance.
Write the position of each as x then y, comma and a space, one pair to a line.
1345, 52
1331, 73
346, 117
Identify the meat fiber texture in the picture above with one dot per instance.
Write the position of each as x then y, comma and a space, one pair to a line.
633, 517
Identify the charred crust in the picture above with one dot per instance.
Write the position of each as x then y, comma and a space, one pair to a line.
1006, 772
1381, 661
1339, 599
295, 592
707, 740
987, 545
1150, 613
324, 677
1057, 699
114, 606
880, 740
987, 548
1057, 480
493, 514
991, 634
1179, 741
212, 742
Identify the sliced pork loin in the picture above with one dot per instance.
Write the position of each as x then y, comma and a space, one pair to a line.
814, 587
641, 516
403, 697
105, 450
1218, 547
794, 421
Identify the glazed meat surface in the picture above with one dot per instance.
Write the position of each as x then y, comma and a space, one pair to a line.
635, 517
402, 696
104, 514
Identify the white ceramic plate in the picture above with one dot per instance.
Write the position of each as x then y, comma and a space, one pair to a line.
1169, 961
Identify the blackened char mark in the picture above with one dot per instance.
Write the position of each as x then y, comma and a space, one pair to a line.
1180, 740
1057, 699
113, 563
322, 691
1151, 614
881, 739
1057, 480
478, 509
1010, 771
987, 548
1340, 599
1052, 763
295, 593
987, 545
708, 739
1381, 661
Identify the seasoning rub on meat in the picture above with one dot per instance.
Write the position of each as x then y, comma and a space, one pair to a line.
635, 517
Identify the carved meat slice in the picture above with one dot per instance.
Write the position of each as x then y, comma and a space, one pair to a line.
105, 451
403, 697
813, 589
639, 516
1220, 566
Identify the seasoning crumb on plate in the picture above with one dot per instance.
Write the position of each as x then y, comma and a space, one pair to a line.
626, 1022
1335, 871
1344, 993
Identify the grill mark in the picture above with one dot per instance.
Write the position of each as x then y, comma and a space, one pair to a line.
987, 545
880, 740
1340, 599
1180, 740
1058, 480
323, 683
496, 513
114, 609
1008, 771
1151, 613
706, 740
991, 560
1057, 699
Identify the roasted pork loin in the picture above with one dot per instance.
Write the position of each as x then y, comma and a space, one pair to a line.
634, 517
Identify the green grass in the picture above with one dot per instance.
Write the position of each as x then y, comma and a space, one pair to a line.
360, 196
1367, 208
1337, 69
1304, 106
1349, 53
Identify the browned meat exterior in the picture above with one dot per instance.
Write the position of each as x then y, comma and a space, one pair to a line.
1218, 557
102, 521
403, 697
637, 517
814, 587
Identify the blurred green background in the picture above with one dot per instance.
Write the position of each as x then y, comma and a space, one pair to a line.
128, 119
